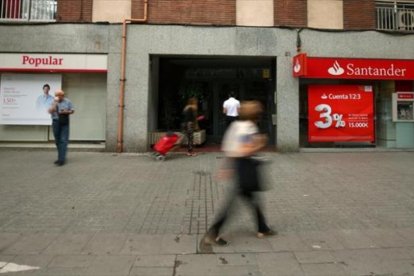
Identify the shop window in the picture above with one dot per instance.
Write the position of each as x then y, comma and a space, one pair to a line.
28, 10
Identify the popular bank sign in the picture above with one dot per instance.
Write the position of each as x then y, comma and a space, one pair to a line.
53, 63
352, 68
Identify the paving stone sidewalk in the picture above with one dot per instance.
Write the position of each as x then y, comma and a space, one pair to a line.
109, 214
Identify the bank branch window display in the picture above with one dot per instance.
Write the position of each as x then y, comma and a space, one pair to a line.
23, 98
340, 113
366, 101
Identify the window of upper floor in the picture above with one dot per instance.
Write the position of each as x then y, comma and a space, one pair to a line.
28, 10
395, 15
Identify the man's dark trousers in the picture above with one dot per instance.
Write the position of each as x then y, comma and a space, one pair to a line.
61, 133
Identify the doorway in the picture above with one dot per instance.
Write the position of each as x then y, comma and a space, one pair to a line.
211, 80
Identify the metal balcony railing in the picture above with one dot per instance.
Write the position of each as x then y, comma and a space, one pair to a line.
395, 17
28, 10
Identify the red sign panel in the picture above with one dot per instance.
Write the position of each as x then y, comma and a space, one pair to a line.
356, 68
299, 65
407, 95
340, 113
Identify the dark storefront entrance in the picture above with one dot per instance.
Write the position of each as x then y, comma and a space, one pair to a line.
211, 80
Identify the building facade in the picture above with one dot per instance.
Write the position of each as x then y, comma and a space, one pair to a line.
129, 79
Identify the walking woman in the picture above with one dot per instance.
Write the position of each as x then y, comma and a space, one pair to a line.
190, 123
240, 143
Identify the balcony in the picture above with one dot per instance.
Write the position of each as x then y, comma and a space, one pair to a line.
28, 10
395, 17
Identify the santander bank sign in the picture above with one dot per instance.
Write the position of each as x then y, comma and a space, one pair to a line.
353, 68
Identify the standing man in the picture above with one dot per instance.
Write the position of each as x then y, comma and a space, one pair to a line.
231, 109
45, 100
60, 110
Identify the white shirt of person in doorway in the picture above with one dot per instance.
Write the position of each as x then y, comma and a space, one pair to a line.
231, 107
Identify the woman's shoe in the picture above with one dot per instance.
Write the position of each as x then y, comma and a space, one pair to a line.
270, 232
221, 242
211, 239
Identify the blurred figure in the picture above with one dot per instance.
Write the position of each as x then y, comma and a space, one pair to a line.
189, 124
241, 142
231, 109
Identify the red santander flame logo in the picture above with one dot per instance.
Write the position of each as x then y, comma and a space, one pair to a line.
336, 69
297, 66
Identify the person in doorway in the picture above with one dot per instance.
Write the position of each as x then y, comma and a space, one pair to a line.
190, 123
231, 109
60, 111
45, 100
241, 142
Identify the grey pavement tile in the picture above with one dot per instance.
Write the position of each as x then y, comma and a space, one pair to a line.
324, 270
149, 271
314, 257
287, 242
104, 243
321, 240
60, 271
354, 239
155, 261
245, 243
111, 265
235, 271
6, 239
71, 261
178, 244
378, 268
243, 259
388, 254
187, 264
407, 234
31, 244
41, 261
362, 255
142, 245
278, 264
360, 261
399, 267
386, 237
7, 258
68, 244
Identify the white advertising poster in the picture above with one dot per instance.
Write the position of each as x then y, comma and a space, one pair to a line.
23, 101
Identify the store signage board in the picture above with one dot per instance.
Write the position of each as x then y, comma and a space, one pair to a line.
340, 113
76, 63
352, 68
22, 100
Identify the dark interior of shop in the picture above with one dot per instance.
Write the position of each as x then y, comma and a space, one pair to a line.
211, 80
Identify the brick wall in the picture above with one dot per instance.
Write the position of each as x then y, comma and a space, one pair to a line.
74, 10
218, 12
359, 14
291, 13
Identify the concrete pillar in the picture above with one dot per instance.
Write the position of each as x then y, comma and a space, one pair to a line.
287, 106
136, 103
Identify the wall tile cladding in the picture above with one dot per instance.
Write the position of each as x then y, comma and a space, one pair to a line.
217, 12
359, 14
292, 13
74, 10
